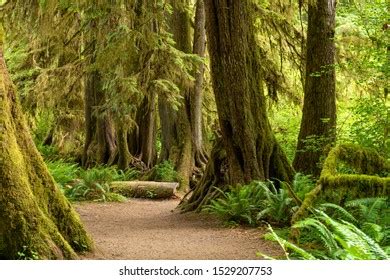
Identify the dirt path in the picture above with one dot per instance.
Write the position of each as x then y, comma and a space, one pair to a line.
146, 229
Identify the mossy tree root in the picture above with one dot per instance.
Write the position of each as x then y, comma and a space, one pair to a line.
334, 186
215, 175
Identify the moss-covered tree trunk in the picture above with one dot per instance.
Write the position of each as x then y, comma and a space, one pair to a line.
35, 217
248, 149
100, 145
176, 126
251, 148
319, 109
142, 136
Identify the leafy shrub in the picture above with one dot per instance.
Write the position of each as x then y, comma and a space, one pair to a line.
49, 153
165, 172
370, 125
303, 184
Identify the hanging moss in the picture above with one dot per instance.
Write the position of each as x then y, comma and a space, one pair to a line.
349, 172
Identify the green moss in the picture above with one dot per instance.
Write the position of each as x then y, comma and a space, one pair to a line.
367, 180
35, 214
337, 184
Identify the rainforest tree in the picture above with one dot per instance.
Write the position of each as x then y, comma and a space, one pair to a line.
34, 212
319, 107
251, 149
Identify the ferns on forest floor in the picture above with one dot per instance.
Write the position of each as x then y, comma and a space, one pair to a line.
260, 201
335, 239
90, 184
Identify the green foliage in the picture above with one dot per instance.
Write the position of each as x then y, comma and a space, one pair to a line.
49, 153
336, 239
371, 124
302, 185
240, 204
260, 201
94, 185
63, 172
165, 172
91, 184
27, 254
276, 204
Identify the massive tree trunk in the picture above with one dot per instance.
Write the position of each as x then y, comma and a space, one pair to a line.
35, 217
251, 148
248, 150
319, 108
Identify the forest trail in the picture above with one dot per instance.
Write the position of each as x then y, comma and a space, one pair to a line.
147, 229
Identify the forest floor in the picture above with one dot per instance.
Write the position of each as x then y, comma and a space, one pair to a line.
153, 229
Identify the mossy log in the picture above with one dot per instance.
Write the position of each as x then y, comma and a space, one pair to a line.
349, 172
35, 217
145, 189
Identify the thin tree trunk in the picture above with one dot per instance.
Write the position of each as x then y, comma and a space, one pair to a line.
319, 109
196, 93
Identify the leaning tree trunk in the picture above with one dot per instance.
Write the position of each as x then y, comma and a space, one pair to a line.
319, 108
35, 217
249, 145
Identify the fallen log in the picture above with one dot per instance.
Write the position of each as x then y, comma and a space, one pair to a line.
145, 189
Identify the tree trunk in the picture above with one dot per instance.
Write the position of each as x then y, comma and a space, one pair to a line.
251, 148
99, 146
248, 149
35, 217
142, 136
196, 93
176, 127
319, 109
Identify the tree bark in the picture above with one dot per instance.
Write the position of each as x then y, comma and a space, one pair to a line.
251, 148
100, 145
35, 217
176, 125
319, 109
196, 92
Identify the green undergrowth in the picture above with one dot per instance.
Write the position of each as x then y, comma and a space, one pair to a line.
351, 172
260, 202
360, 231
162, 172
88, 184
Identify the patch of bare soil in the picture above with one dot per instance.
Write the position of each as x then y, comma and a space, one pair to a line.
152, 230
